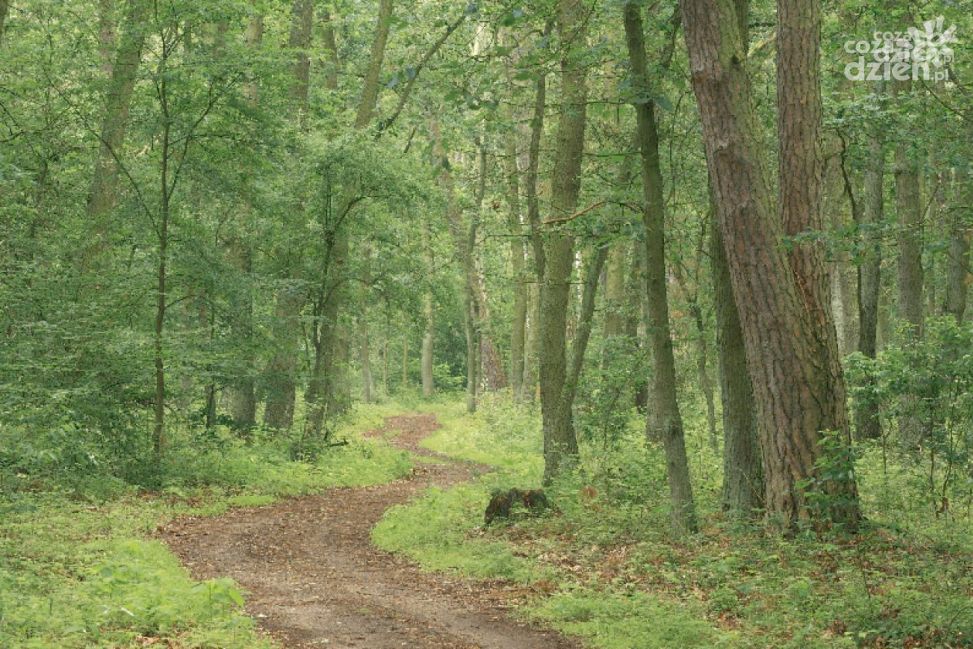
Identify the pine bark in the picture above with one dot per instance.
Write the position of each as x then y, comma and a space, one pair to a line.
795, 377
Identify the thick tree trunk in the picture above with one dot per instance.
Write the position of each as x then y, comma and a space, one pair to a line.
867, 423
101, 197
664, 420
793, 372
560, 442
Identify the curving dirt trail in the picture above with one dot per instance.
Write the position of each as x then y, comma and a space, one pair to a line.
315, 580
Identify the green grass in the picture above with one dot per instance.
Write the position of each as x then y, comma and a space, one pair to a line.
78, 568
608, 569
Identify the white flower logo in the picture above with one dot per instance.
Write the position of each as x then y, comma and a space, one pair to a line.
931, 44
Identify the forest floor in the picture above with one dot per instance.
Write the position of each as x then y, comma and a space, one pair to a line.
315, 579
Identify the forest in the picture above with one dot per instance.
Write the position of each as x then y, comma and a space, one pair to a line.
513, 324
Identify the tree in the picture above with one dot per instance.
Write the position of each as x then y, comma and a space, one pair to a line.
785, 328
665, 420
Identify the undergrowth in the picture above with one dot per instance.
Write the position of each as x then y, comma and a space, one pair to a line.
79, 567
607, 568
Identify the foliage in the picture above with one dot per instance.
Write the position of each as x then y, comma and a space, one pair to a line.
606, 568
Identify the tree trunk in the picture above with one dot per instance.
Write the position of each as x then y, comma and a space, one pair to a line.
366, 363
664, 420
243, 397
742, 470
518, 254
4, 10
101, 197
428, 386
793, 374
909, 215
867, 423
369, 96
958, 261
281, 371
560, 443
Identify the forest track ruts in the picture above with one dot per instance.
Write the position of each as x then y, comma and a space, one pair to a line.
314, 579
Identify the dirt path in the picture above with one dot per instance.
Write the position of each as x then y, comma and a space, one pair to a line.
315, 580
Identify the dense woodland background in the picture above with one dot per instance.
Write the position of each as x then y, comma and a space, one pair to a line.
648, 228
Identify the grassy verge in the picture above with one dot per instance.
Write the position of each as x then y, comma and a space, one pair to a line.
79, 568
606, 567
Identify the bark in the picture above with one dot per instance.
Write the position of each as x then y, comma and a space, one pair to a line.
560, 442
281, 371
793, 372
518, 254
366, 364
106, 32
867, 423
909, 214
742, 470
280, 374
664, 422
532, 360
4, 10
369, 97
910, 275
302, 19
243, 397
104, 181
428, 386
958, 260
331, 46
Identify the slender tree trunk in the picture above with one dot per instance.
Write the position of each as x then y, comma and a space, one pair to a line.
281, 372
429, 312
243, 397
742, 469
867, 423
101, 197
792, 373
535, 236
4, 10
909, 215
405, 361
560, 442
366, 364
909, 212
369, 96
106, 32
518, 254
958, 261
664, 422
